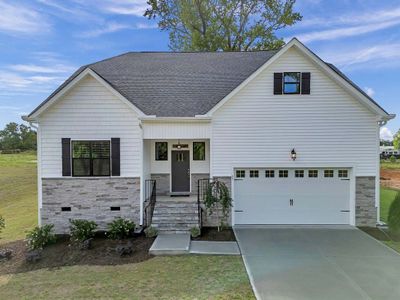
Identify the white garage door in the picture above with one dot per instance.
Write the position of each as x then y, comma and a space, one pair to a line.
288, 196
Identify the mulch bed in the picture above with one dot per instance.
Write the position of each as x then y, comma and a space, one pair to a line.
212, 234
64, 254
381, 234
390, 178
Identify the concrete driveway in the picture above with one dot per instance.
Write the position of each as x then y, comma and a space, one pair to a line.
318, 263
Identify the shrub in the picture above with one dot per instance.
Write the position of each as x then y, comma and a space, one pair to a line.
2, 223
392, 159
39, 237
151, 232
195, 232
394, 215
82, 230
120, 229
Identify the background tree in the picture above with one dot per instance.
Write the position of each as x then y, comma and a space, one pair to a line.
229, 25
15, 136
396, 140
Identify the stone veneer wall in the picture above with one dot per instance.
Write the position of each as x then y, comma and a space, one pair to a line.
195, 178
366, 212
211, 220
89, 199
162, 182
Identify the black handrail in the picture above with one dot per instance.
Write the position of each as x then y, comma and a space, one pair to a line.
150, 198
202, 186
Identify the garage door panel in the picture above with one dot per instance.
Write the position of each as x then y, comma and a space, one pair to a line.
315, 200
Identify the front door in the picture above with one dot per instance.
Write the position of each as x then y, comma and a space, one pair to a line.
180, 171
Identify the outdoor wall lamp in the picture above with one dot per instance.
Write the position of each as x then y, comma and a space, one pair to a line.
293, 154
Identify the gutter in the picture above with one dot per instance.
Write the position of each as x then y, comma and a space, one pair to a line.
175, 119
30, 121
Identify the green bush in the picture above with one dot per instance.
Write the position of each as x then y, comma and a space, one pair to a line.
151, 232
120, 229
2, 223
39, 237
82, 230
392, 159
394, 215
195, 232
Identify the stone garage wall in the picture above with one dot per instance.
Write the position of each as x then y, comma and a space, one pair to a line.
89, 199
366, 212
211, 220
195, 178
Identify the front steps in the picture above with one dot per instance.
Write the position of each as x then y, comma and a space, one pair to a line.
175, 214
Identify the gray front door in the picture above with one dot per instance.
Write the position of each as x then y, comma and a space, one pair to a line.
180, 171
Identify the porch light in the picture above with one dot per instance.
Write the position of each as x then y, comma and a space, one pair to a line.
179, 146
293, 154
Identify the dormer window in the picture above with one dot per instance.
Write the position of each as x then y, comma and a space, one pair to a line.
291, 83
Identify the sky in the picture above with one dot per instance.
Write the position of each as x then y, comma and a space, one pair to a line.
42, 42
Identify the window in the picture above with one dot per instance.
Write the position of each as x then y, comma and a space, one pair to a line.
90, 158
254, 173
343, 173
161, 151
313, 173
291, 83
283, 173
269, 173
328, 173
240, 173
299, 173
199, 150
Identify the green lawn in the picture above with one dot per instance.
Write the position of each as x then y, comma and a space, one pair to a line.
387, 196
18, 196
183, 277
386, 164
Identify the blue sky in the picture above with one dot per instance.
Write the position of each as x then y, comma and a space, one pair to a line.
43, 41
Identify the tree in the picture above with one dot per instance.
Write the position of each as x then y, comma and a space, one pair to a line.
227, 25
15, 136
396, 140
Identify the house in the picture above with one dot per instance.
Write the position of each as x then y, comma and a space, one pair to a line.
294, 139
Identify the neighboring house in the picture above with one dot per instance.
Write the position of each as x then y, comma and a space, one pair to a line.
294, 139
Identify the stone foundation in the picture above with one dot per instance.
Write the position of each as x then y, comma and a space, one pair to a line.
195, 179
89, 199
211, 220
366, 212
163, 182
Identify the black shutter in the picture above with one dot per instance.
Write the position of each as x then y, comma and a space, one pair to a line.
305, 83
278, 83
115, 157
66, 156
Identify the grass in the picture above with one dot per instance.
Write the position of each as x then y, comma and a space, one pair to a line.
181, 277
386, 164
387, 197
18, 196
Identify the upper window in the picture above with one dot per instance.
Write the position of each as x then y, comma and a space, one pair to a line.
283, 173
253, 173
161, 151
240, 173
90, 158
291, 83
313, 173
328, 173
269, 173
199, 150
299, 173
343, 173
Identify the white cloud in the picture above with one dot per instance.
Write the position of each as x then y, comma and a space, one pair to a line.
386, 134
370, 92
108, 28
125, 7
332, 34
16, 19
31, 68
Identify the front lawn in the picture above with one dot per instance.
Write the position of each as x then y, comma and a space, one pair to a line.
386, 164
183, 277
387, 197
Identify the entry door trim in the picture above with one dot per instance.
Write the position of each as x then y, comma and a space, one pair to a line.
189, 168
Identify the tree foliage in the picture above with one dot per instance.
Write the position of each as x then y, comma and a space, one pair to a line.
15, 136
396, 140
228, 25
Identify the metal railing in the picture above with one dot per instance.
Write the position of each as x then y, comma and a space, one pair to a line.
150, 198
202, 187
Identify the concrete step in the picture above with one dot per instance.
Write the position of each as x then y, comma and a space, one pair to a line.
171, 244
158, 219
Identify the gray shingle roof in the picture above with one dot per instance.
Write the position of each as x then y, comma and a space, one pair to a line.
173, 84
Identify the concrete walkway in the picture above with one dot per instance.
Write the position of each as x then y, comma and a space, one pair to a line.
318, 263
177, 244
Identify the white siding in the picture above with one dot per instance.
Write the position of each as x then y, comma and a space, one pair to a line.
176, 130
90, 111
327, 127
